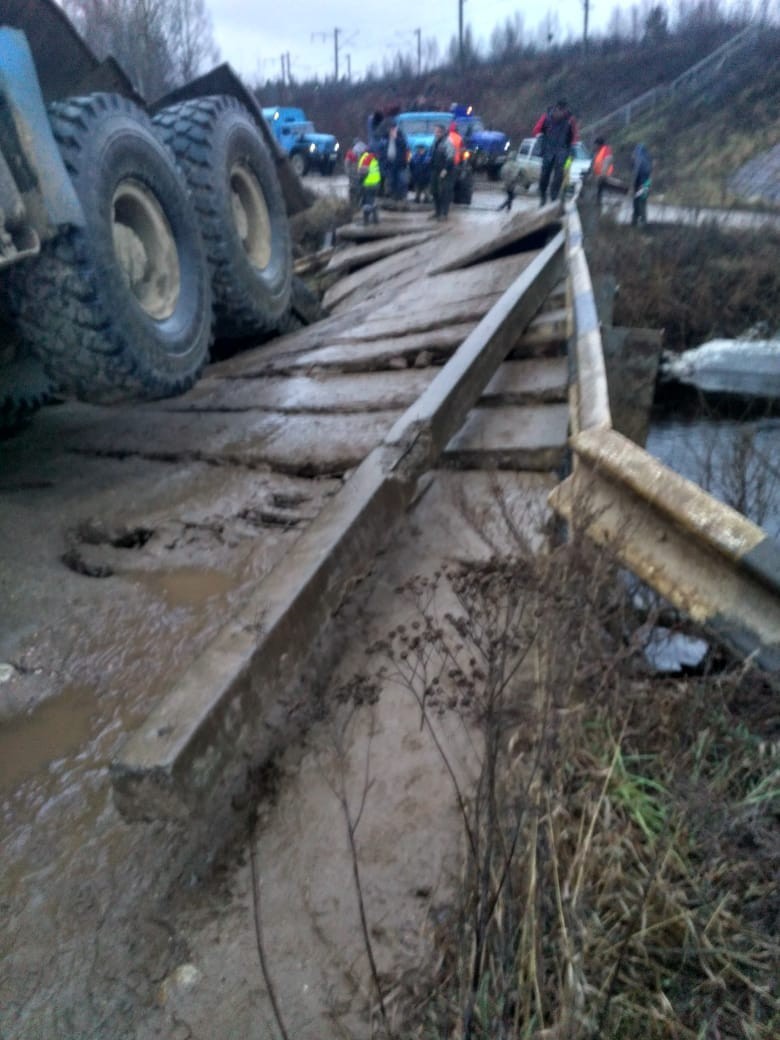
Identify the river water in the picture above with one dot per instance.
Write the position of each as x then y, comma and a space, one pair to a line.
737, 461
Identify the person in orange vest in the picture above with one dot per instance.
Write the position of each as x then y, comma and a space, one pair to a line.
457, 143
603, 166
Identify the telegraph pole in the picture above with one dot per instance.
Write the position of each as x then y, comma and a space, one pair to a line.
586, 5
460, 32
349, 68
336, 54
283, 79
418, 33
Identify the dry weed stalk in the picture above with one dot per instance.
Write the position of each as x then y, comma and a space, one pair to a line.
594, 903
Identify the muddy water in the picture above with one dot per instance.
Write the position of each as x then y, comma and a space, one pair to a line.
186, 586
83, 943
42, 740
737, 462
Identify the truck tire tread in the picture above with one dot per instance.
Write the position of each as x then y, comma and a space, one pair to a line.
204, 134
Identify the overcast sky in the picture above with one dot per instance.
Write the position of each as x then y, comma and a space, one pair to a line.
252, 36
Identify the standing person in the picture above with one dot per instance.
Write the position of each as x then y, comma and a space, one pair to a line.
420, 173
457, 142
603, 166
370, 179
442, 171
351, 160
559, 132
642, 168
511, 178
393, 161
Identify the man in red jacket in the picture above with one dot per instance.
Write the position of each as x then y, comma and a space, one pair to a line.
559, 132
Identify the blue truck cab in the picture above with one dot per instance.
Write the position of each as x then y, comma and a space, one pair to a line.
305, 148
418, 127
488, 148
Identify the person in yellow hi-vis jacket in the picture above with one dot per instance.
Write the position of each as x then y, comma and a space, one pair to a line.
370, 178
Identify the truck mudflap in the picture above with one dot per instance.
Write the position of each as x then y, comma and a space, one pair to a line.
38, 175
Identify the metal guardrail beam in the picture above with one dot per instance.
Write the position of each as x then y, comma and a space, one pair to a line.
704, 557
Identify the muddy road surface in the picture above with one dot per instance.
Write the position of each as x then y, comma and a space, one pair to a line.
129, 536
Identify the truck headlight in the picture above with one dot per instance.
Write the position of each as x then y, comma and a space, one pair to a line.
336, 147
312, 148
506, 147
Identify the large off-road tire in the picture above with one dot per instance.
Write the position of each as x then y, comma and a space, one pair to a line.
240, 207
120, 308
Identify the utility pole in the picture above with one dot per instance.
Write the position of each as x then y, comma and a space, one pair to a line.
418, 33
336, 54
460, 32
289, 72
283, 79
586, 5
349, 68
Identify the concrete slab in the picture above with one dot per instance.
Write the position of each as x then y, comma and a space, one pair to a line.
298, 444
352, 259
532, 438
386, 228
342, 394
539, 380
389, 351
488, 241
546, 335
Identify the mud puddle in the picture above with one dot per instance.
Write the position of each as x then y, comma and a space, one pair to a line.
38, 741
185, 586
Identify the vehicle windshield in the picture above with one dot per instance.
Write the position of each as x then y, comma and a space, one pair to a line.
471, 126
581, 152
420, 125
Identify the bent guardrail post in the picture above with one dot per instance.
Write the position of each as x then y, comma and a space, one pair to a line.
196, 745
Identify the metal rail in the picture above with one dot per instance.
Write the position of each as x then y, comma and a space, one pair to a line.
694, 77
704, 557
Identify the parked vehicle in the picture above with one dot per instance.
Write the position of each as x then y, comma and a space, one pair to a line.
418, 128
529, 159
129, 233
488, 148
307, 149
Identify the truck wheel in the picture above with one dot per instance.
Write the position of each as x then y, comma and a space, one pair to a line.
119, 308
298, 163
241, 210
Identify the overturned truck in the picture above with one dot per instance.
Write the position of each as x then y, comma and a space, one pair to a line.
131, 233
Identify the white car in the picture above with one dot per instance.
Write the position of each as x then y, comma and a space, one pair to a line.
529, 159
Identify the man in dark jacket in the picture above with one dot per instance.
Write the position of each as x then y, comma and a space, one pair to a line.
442, 171
559, 132
393, 160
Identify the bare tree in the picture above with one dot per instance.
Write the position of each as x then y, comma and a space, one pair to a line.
192, 42
159, 43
